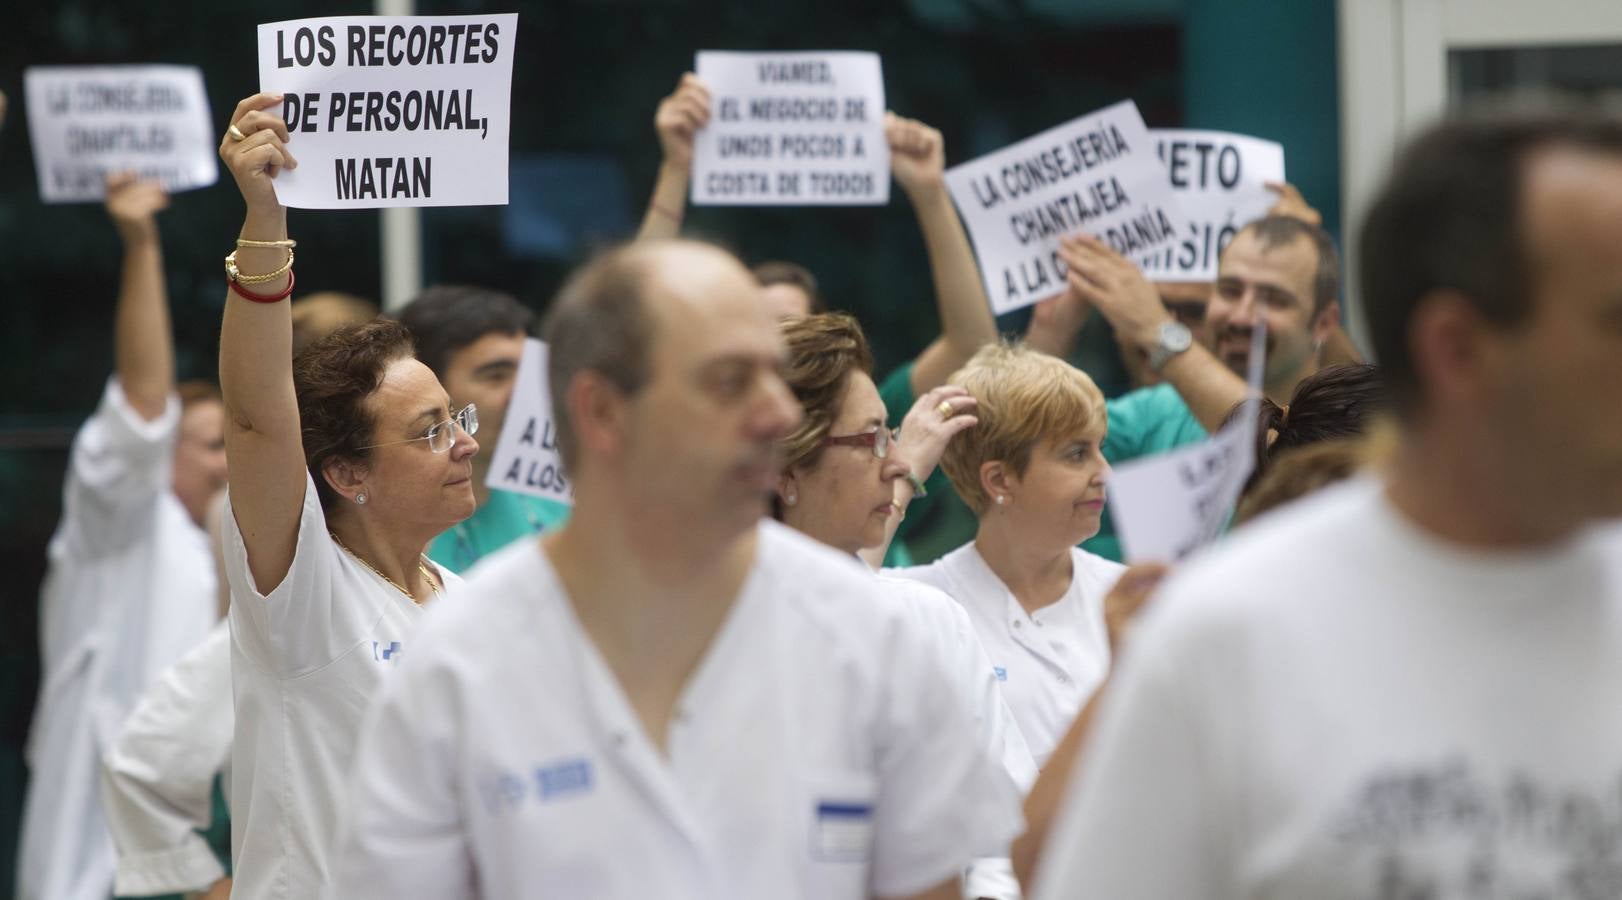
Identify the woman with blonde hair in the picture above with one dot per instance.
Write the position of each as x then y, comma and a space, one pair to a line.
1033, 472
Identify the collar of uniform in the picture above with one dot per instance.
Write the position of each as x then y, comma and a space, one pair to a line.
982, 589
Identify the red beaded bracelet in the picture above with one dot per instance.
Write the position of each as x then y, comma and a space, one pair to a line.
246, 294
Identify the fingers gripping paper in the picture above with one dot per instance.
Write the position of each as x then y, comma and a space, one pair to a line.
88, 121
1095, 175
792, 129
392, 111
527, 459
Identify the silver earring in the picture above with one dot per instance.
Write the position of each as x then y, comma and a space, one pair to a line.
360, 498
1000, 499
791, 499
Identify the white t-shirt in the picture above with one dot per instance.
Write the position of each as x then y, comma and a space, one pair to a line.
1336, 704
157, 780
305, 662
818, 751
1049, 663
129, 588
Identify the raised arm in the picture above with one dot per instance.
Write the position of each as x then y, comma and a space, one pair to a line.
143, 344
918, 161
680, 116
1114, 285
919, 443
256, 353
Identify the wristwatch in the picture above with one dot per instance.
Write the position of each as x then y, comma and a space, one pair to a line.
1174, 338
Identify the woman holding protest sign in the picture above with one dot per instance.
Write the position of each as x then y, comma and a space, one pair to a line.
345, 463
837, 485
1033, 473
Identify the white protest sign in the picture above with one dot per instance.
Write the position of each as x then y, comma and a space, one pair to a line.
88, 121
792, 129
1094, 175
1221, 181
1169, 505
392, 111
527, 460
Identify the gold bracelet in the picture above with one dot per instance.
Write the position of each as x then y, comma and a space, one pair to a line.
285, 244
235, 274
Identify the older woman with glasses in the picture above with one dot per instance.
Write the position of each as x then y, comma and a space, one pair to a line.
1033, 472
841, 468
344, 464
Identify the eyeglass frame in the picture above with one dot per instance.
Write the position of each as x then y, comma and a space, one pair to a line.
868, 439
470, 411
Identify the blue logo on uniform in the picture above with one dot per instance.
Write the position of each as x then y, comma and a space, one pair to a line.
1002, 673
563, 778
386, 652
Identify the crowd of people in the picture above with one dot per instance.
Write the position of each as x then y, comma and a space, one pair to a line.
742, 665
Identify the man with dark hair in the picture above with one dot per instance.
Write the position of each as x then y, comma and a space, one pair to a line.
1407, 685
789, 288
473, 339
671, 696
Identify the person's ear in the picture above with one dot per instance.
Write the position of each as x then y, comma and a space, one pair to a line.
600, 413
1453, 349
347, 479
1325, 323
997, 482
788, 489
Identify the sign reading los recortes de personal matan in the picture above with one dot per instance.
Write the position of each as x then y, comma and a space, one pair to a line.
792, 129
86, 122
1221, 184
392, 111
1096, 175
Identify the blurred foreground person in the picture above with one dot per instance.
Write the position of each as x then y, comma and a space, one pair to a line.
670, 696
130, 583
1407, 685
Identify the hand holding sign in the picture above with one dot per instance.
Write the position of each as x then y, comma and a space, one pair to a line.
1291, 203
260, 154
133, 205
679, 118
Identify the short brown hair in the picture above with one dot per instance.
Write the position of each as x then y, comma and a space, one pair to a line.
333, 377
599, 322
1025, 397
795, 275
318, 315
1276, 231
195, 391
822, 352
1301, 471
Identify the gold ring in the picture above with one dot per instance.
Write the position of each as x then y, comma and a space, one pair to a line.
236, 133
946, 409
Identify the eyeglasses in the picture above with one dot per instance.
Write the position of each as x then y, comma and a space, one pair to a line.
440, 437
878, 440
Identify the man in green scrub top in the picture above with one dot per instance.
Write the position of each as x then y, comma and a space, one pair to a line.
473, 338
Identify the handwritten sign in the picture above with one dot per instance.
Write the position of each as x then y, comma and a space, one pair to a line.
1094, 175
792, 129
527, 459
1167, 506
1221, 183
392, 111
88, 121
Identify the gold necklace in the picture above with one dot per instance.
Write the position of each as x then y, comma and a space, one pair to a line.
421, 567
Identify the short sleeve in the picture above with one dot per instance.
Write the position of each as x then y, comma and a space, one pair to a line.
403, 833
119, 466
943, 799
303, 623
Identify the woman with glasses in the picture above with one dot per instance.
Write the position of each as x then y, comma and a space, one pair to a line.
344, 464
1033, 473
837, 485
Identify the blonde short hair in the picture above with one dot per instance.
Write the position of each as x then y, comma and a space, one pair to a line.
1025, 397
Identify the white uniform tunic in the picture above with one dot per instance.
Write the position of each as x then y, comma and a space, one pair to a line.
130, 588
1336, 704
947, 625
818, 751
305, 661
1050, 662
157, 781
